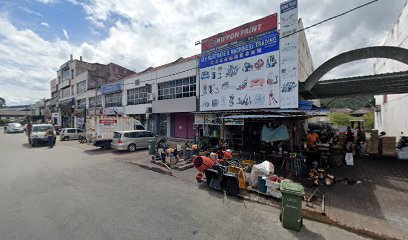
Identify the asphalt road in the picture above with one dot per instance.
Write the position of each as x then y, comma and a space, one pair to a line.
69, 192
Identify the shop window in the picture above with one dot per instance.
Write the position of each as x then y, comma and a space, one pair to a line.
163, 125
137, 96
81, 103
98, 101
113, 100
66, 92
81, 87
179, 88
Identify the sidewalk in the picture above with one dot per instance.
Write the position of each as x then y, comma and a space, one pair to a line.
375, 207
379, 203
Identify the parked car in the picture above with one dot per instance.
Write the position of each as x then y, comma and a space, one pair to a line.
13, 128
70, 133
37, 135
132, 140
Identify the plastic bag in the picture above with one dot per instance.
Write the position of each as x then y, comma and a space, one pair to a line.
263, 169
403, 153
349, 159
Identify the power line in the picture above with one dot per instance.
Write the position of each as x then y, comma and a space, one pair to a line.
331, 18
303, 29
235, 45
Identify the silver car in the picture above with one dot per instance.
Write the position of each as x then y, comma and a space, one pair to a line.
70, 133
37, 134
13, 128
132, 140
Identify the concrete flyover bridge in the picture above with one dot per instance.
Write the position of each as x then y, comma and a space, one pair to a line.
389, 83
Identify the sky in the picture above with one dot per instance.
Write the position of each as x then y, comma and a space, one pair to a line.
37, 36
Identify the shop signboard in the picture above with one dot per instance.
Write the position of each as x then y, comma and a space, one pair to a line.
245, 76
111, 88
114, 111
108, 121
55, 115
53, 85
233, 122
259, 26
207, 119
289, 54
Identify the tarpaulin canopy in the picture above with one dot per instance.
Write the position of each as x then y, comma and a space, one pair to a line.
278, 134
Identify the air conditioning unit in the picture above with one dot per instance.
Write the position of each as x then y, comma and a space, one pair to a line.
150, 96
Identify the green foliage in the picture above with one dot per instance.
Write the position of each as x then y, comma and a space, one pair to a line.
351, 103
369, 121
4, 122
2, 102
343, 119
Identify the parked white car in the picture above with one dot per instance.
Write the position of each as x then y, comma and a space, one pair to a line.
132, 140
67, 134
13, 128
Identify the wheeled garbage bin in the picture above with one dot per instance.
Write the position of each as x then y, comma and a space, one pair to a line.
152, 147
292, 196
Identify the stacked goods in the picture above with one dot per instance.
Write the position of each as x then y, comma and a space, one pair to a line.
373, 143
388, 146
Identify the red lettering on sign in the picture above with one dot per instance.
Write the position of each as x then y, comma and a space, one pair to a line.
107, 121
246, 30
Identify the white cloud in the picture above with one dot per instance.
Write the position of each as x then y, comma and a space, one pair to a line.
27, 10
45, 24
65, 34
150, 33
47, 1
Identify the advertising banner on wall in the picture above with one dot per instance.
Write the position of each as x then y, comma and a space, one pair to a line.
256, 27
289, 54
111, 88
245, 76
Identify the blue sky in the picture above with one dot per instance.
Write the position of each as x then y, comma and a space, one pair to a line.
37, 36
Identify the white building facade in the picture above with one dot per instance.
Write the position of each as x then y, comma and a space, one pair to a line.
391, 116
164, 98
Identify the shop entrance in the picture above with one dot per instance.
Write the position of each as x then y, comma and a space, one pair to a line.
183, 125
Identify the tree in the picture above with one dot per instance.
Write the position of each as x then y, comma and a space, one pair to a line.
2, 102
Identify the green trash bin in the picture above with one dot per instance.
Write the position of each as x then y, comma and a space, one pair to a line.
152, 147
292, 197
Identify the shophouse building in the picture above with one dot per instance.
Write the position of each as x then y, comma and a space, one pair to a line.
391, 113
78, 89
164, 98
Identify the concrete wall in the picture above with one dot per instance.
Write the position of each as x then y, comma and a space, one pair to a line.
392, 117
188, 104
306, 66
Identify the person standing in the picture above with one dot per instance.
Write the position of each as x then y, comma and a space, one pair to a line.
312, 138
349, 140
50, 135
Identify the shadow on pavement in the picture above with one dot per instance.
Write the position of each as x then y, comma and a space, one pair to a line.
305, 233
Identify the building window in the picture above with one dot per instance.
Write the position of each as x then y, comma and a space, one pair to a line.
81, 103
65, 74
54, 95
81, 87
137, 96
180, 88
66, 92
98, 101
113, 100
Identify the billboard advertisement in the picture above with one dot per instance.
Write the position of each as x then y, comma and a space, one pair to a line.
245, 76
111, 88
289, 54
259, 26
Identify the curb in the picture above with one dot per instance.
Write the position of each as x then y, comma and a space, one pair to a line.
307, 214
153, 169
